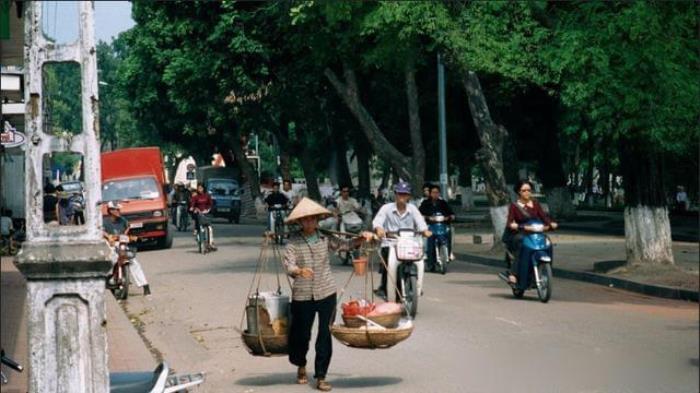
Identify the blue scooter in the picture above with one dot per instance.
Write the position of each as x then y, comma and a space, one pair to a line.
438, 244
535, 266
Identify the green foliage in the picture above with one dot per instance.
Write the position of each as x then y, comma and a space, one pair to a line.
62, 92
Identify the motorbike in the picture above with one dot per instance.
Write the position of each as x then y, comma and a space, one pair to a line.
535, 265
203, 233
276, 215
406, 268
158, 381
181, 217
4, 360
118, 281
350, 222
439, 244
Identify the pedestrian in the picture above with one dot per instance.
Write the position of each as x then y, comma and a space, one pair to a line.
681, 199
50, 201
306, 259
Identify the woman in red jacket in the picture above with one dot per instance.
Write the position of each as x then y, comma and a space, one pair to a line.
200, 204
521, 211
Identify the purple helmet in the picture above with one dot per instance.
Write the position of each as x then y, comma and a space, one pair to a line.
402, 188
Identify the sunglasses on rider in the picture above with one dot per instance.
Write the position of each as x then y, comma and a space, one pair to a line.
525, 190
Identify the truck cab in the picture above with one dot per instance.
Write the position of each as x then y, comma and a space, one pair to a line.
135, 178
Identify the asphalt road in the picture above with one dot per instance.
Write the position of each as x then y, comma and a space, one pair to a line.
470, 334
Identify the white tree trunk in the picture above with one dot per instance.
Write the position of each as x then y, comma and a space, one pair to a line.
499, 216
648, 235
467, 198
560, 203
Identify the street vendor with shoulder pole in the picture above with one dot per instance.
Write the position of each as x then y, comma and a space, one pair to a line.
306, 259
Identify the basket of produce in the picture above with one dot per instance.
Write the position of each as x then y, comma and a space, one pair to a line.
386, 314
372, 336
265, 320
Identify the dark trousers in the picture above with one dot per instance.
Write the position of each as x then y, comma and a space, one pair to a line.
514, 245
303, 315
382, 266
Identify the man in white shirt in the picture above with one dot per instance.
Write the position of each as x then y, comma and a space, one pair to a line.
289, 192
394, 216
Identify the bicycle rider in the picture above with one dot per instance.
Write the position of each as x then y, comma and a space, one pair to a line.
200, 205
276, 197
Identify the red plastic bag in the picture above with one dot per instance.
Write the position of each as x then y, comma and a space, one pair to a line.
357, 307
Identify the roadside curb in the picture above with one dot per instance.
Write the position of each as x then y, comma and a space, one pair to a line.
614, 282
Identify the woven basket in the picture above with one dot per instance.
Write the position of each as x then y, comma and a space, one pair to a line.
388, 321
370, 338
273, 345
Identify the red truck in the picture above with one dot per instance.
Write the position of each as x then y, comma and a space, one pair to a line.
136, 179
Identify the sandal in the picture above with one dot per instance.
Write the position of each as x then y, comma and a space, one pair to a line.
302, 379
323, 386
512, 279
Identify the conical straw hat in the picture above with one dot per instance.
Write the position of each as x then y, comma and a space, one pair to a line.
305, 208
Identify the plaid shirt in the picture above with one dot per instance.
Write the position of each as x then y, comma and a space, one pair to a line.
301, 253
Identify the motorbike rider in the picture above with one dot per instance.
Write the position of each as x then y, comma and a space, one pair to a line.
346, 204
113, 225
522, 210
275, 198
289, 192
200, 204
394, 216
181, 194
434, 204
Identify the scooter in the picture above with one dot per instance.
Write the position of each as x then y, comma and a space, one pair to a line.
535, 266
350, 222
406, 268
118, 281
9, 363
158, 381
439, 244
276, 214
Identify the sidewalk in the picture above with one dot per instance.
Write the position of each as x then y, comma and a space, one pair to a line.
126, 350
576, 252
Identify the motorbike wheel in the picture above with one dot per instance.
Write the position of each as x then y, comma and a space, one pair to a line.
410, 295
443, 257
518, 293
121, 291
544, 291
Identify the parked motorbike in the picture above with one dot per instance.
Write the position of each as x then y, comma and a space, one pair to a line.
406, 269
350, 222
439, 243
4, 360
118, 281
535, 266
277, 214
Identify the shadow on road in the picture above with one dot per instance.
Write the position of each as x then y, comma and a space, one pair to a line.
268, 380
364, 382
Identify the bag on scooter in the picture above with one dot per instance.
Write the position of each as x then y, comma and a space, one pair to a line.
409, 249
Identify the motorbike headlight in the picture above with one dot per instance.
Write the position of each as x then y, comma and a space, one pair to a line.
158, 213
547, 242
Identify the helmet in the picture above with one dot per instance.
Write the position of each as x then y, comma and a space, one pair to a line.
402, 188
113, 205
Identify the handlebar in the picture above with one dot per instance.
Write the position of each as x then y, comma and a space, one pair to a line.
10, 363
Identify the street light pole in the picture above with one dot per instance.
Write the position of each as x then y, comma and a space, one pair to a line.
442, 127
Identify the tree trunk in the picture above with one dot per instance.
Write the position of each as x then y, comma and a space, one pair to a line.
343, 170
385, 178
647, 225
363, 170
349, 93
490, 155
311, 176
418, 150
250, 173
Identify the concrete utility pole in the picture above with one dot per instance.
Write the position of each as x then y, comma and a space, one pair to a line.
65, 266
442, 128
